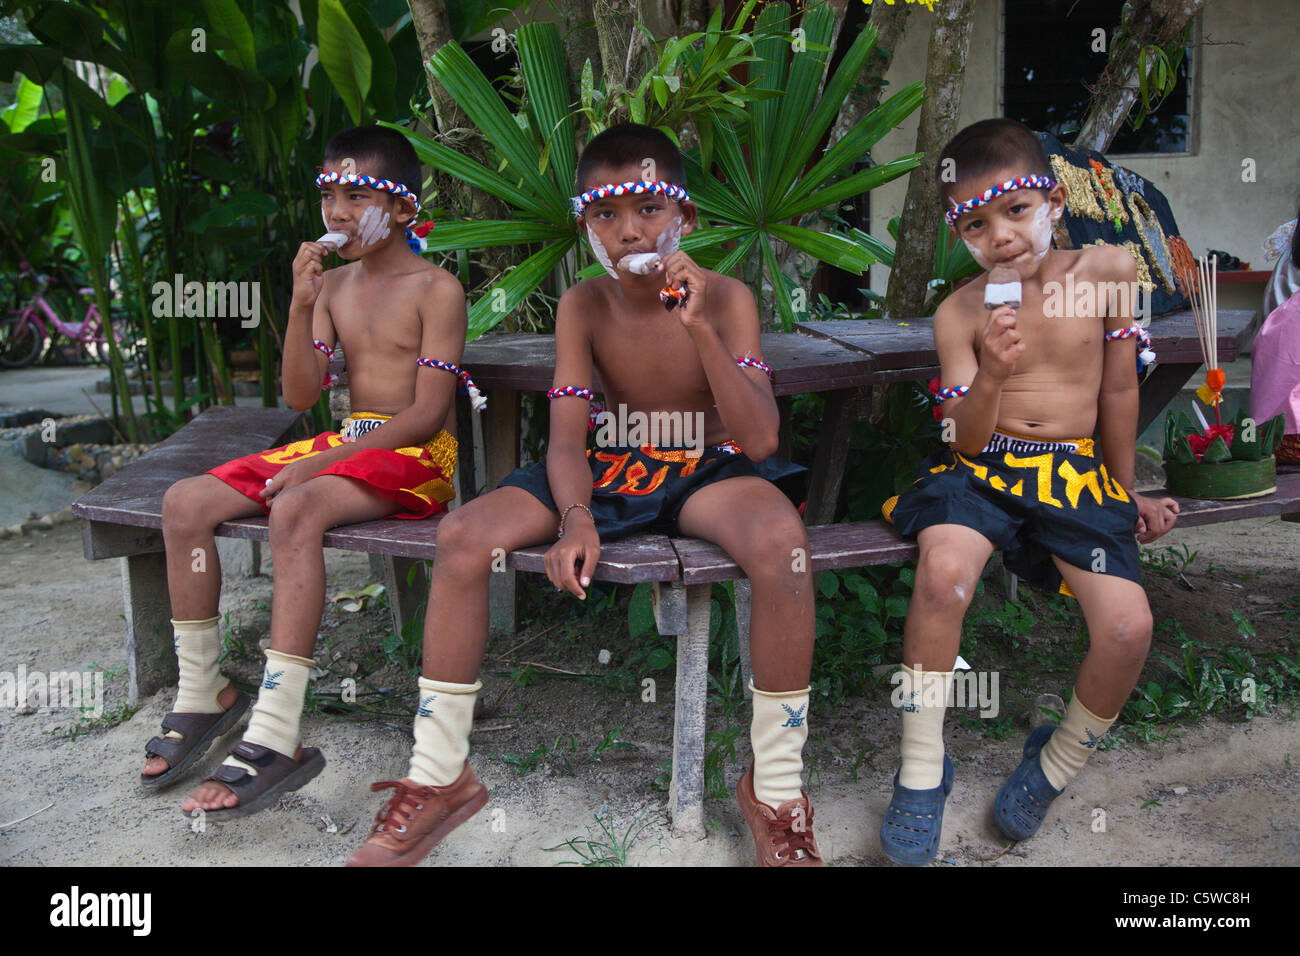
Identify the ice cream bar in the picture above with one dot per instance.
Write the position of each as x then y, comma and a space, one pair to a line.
334, 239
1003, 288
641, 263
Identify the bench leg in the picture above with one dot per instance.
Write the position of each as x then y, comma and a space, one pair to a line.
500, 425
501, 603
686, 793
404, 600
150, 656
743, 602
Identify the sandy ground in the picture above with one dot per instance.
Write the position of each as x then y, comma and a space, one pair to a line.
1226, 792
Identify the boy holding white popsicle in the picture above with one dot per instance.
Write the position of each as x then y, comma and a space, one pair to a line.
1019, 387
401, 321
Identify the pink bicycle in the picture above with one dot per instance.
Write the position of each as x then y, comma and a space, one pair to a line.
23, 334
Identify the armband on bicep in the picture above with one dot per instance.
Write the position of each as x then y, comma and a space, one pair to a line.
594, 408
1146, 355
467, 386
954, 391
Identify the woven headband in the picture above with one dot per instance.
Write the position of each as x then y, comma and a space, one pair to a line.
632, 188
384, 185
993, 192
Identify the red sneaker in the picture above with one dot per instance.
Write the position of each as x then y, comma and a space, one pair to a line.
784, 836
415, 819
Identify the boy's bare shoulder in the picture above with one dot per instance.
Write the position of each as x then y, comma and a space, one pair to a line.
962, 305
441, 282
579, 299
1105, 263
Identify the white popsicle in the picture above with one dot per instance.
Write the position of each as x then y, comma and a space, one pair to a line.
334, 239
1003, 288
641, 263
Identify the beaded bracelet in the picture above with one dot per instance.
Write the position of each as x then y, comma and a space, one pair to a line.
956, 391
467, 386
755, 363
560, 533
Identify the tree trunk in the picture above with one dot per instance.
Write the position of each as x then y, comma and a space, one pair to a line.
889, 22
1153, 22
944, 78
581, 42
624, 49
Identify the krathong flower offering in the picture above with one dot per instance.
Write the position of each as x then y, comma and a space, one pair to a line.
1216, 461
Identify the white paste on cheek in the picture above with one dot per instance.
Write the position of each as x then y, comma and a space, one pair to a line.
670, 238
602, 256
978, 256
1040, 230
373, 225
324, 219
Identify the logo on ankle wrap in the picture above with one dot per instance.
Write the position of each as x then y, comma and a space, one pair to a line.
1092, 741
796, 716
426, 706
272, 681
910, 706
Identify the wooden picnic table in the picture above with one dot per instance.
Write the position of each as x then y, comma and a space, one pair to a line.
904, 350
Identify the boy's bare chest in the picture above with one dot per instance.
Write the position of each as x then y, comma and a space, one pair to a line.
1070, 344
651, 364
370, 322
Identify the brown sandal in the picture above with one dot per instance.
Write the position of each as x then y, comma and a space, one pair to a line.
197, 731
276, 775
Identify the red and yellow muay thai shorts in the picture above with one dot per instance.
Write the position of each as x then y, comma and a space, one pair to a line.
1033, 499
417, 480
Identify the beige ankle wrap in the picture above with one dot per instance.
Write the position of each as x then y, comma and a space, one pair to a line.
444, 717
277, 714
924, 701
777, 735
198, 648
1072, 743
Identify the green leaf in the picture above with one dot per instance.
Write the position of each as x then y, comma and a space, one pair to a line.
26, 105
1217, 452
506, 294
828, 584
640, 612
541, 60
232, 208
659, 659
860, 182
832, 248
481, 234
228, 22
383, 68
452, 67
784, 307
344, 57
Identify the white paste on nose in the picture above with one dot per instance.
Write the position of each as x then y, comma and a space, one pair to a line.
373, 225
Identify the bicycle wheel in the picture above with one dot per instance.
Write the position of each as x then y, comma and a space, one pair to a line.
20, 343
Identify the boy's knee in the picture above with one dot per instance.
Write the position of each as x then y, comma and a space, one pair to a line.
778, 551
182, 507
1129, 632
462, 540
944, 581
293, 514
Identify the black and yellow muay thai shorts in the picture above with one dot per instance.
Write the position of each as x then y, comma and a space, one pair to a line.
643, 488
1033, 499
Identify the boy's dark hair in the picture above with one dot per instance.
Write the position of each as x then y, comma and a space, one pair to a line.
989, 145
380, 152
630, 143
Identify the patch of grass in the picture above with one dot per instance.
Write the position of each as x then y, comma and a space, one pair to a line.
606, 846
112, 716
559, 752
610, 742
1168, 560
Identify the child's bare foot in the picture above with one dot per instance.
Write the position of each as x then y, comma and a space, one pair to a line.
155, 766
213, 795
235, 790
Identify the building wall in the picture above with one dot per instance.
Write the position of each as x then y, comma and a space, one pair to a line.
1245, 104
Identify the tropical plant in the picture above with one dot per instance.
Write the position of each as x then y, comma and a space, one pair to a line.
760, 191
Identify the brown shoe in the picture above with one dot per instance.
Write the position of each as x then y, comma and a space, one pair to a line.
784, 836
415, 819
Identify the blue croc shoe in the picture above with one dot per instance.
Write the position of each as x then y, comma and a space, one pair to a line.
909, 834
1023, 800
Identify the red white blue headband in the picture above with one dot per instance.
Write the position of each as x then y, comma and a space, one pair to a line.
632, 188
384, 185
993, 192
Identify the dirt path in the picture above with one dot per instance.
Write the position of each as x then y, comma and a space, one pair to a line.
60, 612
